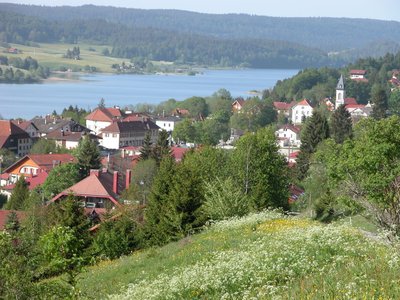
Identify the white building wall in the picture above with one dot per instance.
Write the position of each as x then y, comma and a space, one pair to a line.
299, 111
96, 126
110, 140
166, 125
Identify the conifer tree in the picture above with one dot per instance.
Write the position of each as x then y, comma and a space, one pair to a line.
341, 125
88, 156
19, 195
380, 103
162, 147
315, 130
146, 150
12, 222
162, 224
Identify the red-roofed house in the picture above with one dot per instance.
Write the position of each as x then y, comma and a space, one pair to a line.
34, 164
102, 118
283, 107
237, 105
288, 135
100, 190
14, 138
32, 182
302, 109
357, 74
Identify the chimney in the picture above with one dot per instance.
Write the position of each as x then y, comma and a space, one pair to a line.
94, 172
115, 182
128, 178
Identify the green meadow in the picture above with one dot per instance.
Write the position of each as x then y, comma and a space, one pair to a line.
261, 256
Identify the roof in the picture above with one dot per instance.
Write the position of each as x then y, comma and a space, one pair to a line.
340, 84
293, 128
294, 154
179, 152
358, 72
32, 182
303, 102
4, 216
50, 124
350, 101
360, 79
239, 101
104, 114
44, 161
131, 126
66, 135
354, 106
282, 105
8, 128
24, 124
94, 186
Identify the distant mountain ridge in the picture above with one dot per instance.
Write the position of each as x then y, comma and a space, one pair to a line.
328, 34
204, 39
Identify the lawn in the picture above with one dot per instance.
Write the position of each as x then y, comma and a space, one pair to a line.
261, 256
51, 55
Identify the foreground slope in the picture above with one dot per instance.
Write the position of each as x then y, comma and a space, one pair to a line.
261, 256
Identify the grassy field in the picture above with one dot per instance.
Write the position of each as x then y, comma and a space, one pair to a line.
51, 55
262, 256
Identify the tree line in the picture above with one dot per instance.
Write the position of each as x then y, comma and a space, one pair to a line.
18, 70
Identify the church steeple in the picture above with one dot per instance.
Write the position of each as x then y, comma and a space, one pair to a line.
340, 92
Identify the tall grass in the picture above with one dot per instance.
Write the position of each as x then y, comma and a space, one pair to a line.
261, 256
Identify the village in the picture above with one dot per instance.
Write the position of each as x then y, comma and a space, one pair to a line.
120, 136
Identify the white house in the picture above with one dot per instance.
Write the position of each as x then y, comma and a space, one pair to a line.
102, 118
357, 74
131, 133
168, 123
301, 110
288, 135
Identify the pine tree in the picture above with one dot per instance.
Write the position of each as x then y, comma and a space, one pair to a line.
12, 222
162, 224
341, 125
380, 103
19, 195
88, 156
162, 147
146, 150
315, 131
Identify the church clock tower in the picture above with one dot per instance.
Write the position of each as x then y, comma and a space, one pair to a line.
340, 92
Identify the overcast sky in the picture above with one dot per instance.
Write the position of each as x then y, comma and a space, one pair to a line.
372, 9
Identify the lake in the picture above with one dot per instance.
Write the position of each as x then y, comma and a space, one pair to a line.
29, 100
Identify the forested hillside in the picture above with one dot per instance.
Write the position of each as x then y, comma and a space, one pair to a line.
344, 38
161, 45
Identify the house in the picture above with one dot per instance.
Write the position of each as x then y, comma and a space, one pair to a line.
29, 127
132, 133
301, 110
101, 118
395, 80
14, 138
180, 112
295, 193
238, 104
50, 124
69, 140
101, 190
288, 135
359, 111
32, 182
34, 164
283, 107
358, 75
167, 123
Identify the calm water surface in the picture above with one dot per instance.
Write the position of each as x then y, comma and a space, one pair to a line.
29, 100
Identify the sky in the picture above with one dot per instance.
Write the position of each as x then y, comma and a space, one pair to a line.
371, 9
